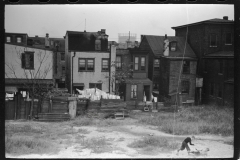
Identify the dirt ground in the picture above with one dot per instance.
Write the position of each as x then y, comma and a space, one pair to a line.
121, 135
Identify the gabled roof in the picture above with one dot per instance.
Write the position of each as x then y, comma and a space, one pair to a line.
220, 54
156, 45
212, 21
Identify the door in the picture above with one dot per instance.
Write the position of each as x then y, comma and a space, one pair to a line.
146, 90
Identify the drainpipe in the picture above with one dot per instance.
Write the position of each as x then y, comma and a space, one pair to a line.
72, 73
110, 68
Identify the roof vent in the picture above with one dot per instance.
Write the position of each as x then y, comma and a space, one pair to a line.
225, 17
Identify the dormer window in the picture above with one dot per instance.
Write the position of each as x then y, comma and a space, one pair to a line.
173, 46
8, 39
19, 40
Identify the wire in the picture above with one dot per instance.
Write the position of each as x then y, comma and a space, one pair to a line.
179, 78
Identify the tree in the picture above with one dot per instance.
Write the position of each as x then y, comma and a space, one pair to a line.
120, 75
32, 73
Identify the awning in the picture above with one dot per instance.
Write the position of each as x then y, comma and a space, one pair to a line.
11, 89
78, 84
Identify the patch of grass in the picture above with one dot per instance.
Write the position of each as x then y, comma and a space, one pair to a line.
154, 142
97, 145
107, 122
16, 144
82, 121
193, 120
83, 131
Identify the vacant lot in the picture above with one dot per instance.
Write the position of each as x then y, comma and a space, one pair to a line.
141, 135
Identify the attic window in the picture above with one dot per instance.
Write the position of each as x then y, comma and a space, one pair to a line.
8, 39
19, 39
173, 46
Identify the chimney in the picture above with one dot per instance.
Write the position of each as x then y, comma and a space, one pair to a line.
47, 42
36, 36
225, 17
166, 46
103, 31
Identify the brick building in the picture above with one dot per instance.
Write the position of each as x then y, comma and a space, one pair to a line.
172, 69
212, 41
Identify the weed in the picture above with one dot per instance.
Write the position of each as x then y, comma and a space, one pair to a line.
82, 121
83, 131
97, 145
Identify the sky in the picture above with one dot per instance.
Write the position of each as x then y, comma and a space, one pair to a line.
140, 19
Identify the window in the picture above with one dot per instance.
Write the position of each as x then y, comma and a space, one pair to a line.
97, 45
95, 85
228, 39
62, 56
19, 39
213, 40
28, 60
8, 39
205, 65
118, 62
185, 86
156, 64
211, 88
173, 46
155, 82
9, 96
220, 66
134, 91
219, 91
186, 67
142, 63
86, 64
105, 64
136, 63
63, 70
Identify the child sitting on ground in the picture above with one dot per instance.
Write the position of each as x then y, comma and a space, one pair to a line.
185, 144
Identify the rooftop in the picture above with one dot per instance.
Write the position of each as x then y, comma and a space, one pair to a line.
212, 21
156, 45
220, 54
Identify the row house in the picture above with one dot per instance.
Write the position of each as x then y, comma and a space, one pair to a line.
213, 42
57, 45
88, 61
172, 67
134, 62
25, 65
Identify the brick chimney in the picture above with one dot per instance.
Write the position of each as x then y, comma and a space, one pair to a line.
47, 41
225, 17
103, 31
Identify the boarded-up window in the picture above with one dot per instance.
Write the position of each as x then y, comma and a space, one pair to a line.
228, 40
185, 85
28, 60
213, 40
134, 91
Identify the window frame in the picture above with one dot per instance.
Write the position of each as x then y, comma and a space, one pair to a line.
183, 86
24, 59
19, 38
95, 85
139, 63
184, 67
226, 43
119, 63
10, 39
86, 64
62, 56
170, 46
132, 91
63, 70
108, 67
154, 65
210, 41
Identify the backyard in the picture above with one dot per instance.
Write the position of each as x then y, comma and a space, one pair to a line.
141, 135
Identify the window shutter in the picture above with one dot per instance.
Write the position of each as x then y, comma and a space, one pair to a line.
32, 61
23, 60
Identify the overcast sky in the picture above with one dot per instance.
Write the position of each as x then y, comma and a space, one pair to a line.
140, 19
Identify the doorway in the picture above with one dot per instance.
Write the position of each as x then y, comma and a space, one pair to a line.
146, 89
